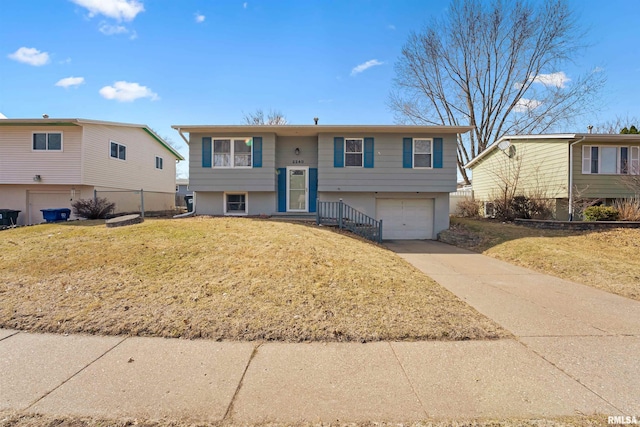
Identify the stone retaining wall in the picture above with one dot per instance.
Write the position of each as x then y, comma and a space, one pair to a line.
576, 225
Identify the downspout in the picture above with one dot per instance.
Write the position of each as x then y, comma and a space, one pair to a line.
188, 214
571, 176
183, 137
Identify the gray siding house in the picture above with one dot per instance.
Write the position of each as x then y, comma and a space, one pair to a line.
400, 174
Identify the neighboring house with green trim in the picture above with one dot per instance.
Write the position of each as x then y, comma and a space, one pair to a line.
400, 174
49, 163
538, 165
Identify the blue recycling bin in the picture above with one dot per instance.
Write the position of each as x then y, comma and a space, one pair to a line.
55, 215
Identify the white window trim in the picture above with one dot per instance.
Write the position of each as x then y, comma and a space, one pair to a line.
235, 193
232, 153
161, 163
47, 132
633, 153
306, 184
413, 153
126, 151
350, 152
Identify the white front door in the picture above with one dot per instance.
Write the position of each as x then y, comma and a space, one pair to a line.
297, 189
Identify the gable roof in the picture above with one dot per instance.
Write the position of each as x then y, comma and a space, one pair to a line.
80, 122
314, 130
557, 137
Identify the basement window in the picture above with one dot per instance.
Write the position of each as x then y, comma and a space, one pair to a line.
235, 204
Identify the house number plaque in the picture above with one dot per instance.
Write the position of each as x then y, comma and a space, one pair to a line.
298, 161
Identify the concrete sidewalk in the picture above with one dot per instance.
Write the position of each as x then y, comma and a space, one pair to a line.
590, 335
204, 381
575, 352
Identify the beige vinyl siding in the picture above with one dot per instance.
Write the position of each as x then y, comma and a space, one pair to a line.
138, 171
598, 185
230, 179
19, 163
28, 199
387, 175
540, 167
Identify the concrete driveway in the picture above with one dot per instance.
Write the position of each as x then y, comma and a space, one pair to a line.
590, 335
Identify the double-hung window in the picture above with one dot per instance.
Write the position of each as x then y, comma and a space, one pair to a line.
422, 154
118, 151
159, 162
353, 152
232, 152
47, 141
608, 160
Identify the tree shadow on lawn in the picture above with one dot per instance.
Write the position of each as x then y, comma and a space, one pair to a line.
479, 235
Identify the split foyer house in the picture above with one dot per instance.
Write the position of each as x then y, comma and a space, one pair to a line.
48, 163
400, 174
559, 167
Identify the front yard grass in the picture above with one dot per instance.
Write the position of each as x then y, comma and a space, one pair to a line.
223, 279
608, 260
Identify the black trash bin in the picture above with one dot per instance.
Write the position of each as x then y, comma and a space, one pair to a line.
8, 216
189, 201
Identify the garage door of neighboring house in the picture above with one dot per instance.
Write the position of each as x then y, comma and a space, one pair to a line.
404, 219
46, 200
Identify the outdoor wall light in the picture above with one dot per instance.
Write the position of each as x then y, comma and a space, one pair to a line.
297, 151
37, 178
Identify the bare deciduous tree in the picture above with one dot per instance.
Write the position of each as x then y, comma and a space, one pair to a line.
257, 118
496, 67
616, 125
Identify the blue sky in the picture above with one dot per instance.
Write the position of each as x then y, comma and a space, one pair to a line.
165, 62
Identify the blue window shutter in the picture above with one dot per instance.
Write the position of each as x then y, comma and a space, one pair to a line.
407, 153
282, 189
338, 152
206, 152
368, 152
313, 188
437, 153
257, 151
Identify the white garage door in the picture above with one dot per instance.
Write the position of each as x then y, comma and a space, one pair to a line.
404, 219
46, 200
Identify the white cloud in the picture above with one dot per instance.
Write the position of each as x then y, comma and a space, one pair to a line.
127, 92
391, 27
66, 61
121, 10
109, 30
200, 18
244, 5
524, 105
31, 56
67, 82
558, 79
364, 66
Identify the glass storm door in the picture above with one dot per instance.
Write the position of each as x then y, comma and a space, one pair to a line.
297, 189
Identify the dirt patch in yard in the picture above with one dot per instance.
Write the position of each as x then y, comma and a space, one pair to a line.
223, 279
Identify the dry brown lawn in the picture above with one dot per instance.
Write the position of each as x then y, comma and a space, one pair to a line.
608, 260
17, 419
223, 279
